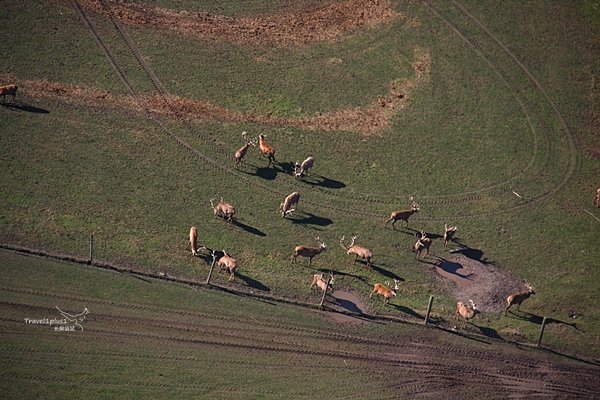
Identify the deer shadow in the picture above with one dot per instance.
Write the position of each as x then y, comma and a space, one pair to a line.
248, 228
473, 254
538, 320
340, 274
451, 268
407, 311
312, 219
253, 283
25, 108
386, 273
325, 182
266, 173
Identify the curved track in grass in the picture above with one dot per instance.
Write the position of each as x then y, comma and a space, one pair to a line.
357, 203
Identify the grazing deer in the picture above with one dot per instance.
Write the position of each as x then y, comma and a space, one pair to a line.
384, 291
309, 252
300, 170
402, 215
228, 263
265, 149
597, 198
289, 204
465, 312
194, 240
518, 298
241, 153
223, 208
448, 234
9, 90
357, 250
321, 283
423, 243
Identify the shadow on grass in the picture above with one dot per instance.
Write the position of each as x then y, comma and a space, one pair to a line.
253, 283
536, 319
248, 228
406, 310
386, 273
25, 108
325, 182
340, 274
311, 219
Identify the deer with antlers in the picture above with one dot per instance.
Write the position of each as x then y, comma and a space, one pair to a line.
357, 250
448, 234
518, 298
465, 312
402, 215
266, 150
222, 208
597, 198
289, 204
300, 170
384, 291
309, 252
423, 243
241, 153
228, 263
321, 283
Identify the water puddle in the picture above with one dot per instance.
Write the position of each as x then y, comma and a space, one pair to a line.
455, 272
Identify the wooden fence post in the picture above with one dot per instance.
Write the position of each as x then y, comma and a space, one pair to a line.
91, 248
214, 256
428, 309
541, 332
324, 293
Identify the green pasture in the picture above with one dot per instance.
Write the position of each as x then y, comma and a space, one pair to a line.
509, 105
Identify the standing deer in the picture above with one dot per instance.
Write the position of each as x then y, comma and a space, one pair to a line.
266, 150
289, 204
228, 263
9, 90
402, 215
309, 252
384, 291
241, 153
597, 198
194, 240
465, 312
223, 208
321, 283
300, 170
518, 298
357, 250
423, 243
448, 234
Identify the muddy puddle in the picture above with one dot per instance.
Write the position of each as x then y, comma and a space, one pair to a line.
347, 301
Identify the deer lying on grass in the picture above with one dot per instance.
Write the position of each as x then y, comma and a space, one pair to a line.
448, 234
289, 204
241, 153
321, 283
309, 252
357, 250
423, 243
227, 210
300, 170
465, 312
384, 291
402, 215
265, 149
228, 263
518, 298
8, 90
597, 198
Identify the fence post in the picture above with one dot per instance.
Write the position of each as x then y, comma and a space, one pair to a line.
214, 256
428, 309
541, 332
324, 293
91, 248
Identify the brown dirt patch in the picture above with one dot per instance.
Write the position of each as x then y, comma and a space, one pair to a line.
301, 26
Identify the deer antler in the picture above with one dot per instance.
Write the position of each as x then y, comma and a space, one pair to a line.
211, 203
353, 239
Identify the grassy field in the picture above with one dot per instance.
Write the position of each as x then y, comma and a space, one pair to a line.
479, 101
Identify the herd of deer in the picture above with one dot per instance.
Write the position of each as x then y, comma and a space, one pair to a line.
288, 206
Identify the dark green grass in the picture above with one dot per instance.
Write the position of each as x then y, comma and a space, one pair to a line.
78, 170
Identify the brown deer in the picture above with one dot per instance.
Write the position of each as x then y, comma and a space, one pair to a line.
465, 312
357, 250
597, 198
266, 150
309, 252
384, 291
227, 210
448, 234
423, 243
321, 283
402, 215
9, 90
518, 298
229, 264
300, 170
241, 153
194, 240
289, 204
